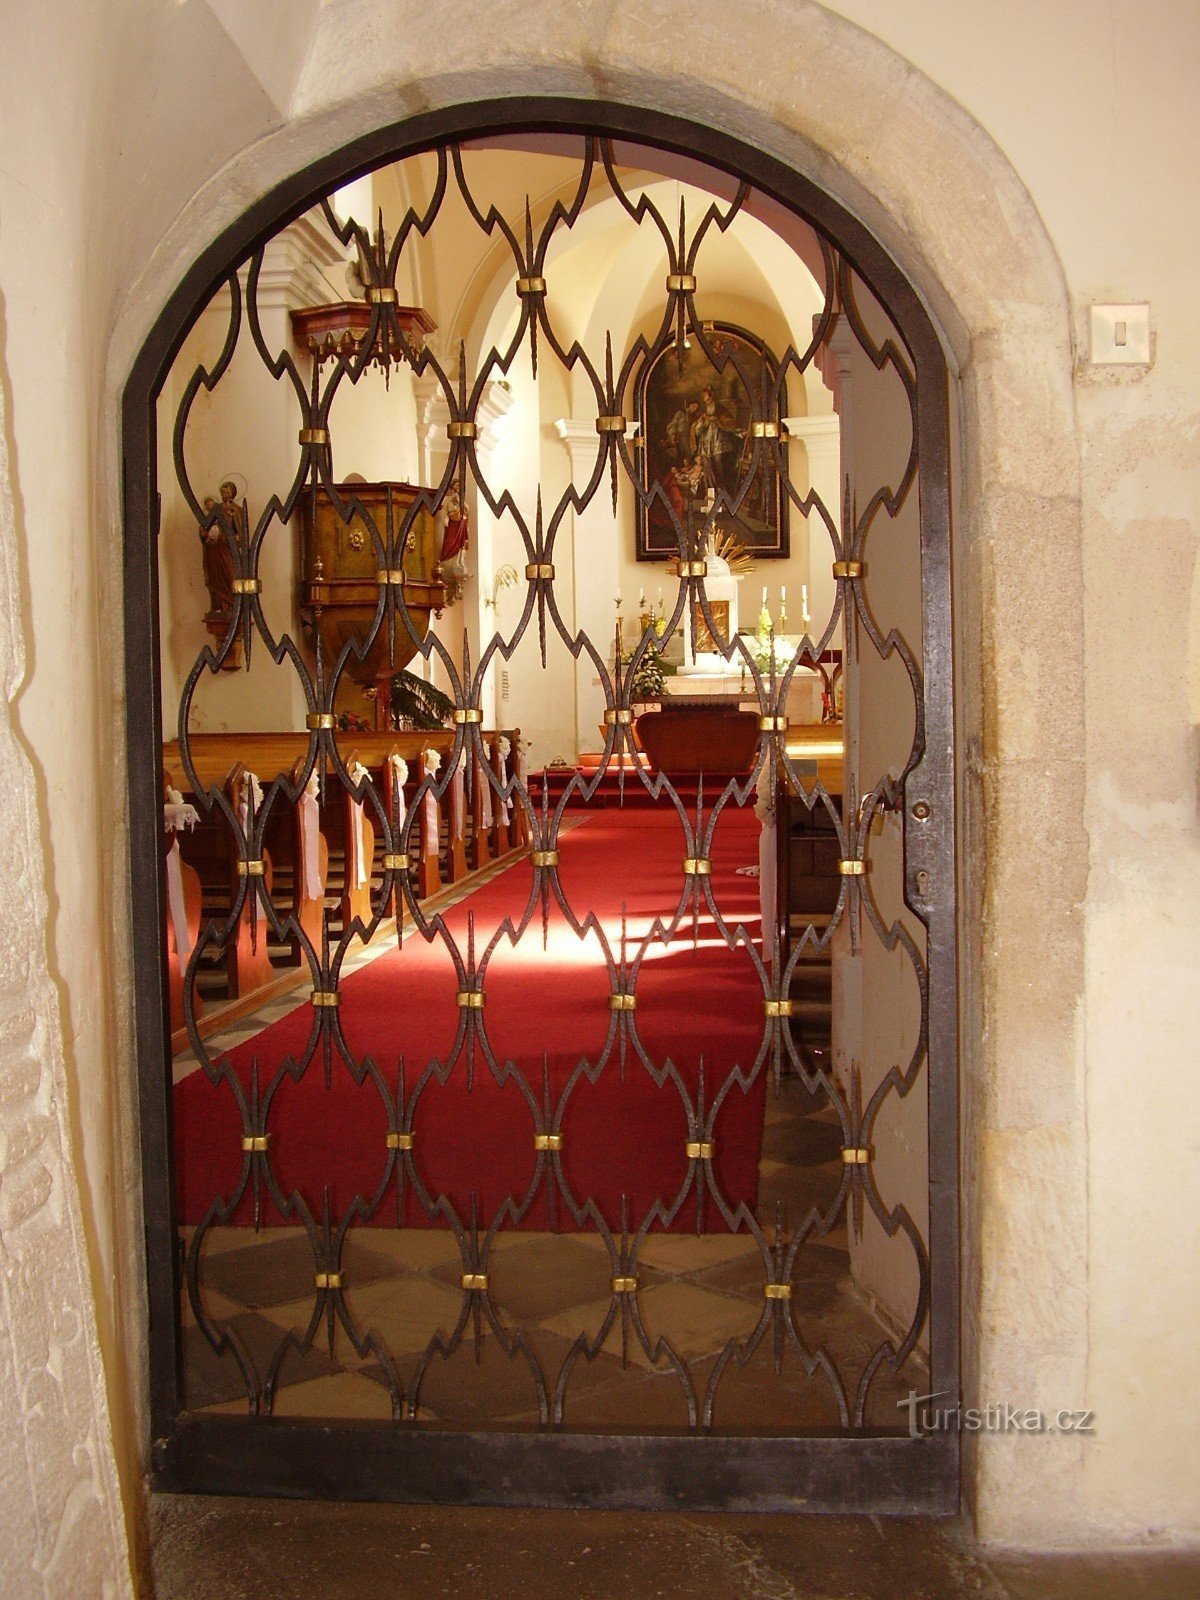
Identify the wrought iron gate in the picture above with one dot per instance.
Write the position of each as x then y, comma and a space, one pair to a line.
889, 836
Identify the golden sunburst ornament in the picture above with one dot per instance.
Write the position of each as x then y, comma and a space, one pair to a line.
728, 548
732, 552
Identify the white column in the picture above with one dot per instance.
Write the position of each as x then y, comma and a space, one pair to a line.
596, 577
820, 439
433, 446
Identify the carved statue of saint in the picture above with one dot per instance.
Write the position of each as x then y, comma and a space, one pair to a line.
217, 543
455, 532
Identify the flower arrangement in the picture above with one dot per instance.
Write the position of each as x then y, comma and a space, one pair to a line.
648, 677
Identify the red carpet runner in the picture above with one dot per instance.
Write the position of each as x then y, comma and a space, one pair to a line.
623, 1138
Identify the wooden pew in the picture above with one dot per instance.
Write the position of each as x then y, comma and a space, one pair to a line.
269, 754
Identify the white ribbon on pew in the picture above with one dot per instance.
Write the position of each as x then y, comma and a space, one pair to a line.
362, 867
310, 838
251, 801
177, 815
523, 762
431, 760
397, 777
764, 810
503, 749
183, 939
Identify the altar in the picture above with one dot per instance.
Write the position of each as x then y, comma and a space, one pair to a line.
692, 733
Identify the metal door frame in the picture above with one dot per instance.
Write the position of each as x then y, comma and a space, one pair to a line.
863, 1471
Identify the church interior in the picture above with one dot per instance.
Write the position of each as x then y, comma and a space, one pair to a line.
549, 840
600, 630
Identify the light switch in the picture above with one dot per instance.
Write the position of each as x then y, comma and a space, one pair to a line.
1120, 336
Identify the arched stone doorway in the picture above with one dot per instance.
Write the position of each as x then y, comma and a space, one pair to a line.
832, 1470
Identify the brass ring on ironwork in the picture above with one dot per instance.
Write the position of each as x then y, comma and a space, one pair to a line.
464, 714
250, 869
765, 430
396, 862
856, 1155
470, 999
325, 998
539, 569
531, 285
852, 867
681, 283
544, 858
777, 1008
385, 296
548, 1141
622, 1002
475, 1280
387, 575
773, 724
462, 430
329, 1280
700, 1149
624, 1285
320, 719
693, 569
847, 569
613, 424
314, 435
255, 1142
777, 1291
246, 586
400, 1141
697, 867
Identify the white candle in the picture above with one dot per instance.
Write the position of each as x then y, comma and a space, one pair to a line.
783, 595
764, 604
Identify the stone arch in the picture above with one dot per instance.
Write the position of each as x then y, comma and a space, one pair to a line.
842, 109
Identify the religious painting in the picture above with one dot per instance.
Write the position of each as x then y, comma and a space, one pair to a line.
696, 421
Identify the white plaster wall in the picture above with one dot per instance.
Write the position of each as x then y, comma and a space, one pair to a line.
1020, 162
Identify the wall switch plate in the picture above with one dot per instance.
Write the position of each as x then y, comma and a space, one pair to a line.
1120, 336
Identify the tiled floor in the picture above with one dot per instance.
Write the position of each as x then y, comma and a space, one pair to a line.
211, 1549
404, 1287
